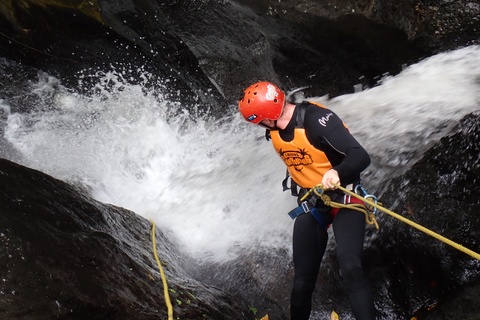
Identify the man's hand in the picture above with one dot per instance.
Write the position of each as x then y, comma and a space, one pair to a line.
331, 176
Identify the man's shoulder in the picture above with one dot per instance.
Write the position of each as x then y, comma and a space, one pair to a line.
313, 109
319, 115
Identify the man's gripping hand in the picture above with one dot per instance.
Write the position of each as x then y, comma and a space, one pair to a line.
330, 177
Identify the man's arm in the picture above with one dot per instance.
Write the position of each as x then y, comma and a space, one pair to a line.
326, 131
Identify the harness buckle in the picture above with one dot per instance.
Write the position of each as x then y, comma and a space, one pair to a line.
305, 206
347, 199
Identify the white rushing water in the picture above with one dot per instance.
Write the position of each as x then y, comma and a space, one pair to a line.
215, 185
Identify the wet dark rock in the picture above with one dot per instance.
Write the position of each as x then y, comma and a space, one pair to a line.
262, 278
440, 193
432, 24
65, 256
294, 50
75, 40
211, 50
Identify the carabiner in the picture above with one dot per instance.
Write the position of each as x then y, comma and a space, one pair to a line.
375, 200
359, 188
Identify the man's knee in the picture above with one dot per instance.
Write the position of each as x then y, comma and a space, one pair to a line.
352, 271
302, 290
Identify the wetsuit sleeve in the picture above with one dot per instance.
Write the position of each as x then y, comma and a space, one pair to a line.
326, 131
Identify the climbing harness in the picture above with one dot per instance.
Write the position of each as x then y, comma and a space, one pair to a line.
413, 224
370, 205
165, 287
317, 192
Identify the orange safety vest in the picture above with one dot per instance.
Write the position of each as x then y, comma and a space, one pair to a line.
306, 164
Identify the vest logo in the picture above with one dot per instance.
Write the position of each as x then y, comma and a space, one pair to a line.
323, 120
296, 159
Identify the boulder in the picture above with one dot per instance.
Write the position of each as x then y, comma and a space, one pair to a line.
64, 255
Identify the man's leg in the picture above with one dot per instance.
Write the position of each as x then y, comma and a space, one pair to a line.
309, 243
349, 229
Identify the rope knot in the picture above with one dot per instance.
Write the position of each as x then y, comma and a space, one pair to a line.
327, 200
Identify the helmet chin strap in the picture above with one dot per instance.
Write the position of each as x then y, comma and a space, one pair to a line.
268, 127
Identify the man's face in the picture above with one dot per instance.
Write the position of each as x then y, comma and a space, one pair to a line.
272, 124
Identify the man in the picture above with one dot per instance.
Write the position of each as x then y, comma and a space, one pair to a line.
317, 148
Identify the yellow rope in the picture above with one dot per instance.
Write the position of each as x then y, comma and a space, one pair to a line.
165, 287
413, 224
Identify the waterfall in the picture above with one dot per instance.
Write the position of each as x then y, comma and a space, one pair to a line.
214, 184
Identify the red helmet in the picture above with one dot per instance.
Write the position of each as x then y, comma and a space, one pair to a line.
262, 100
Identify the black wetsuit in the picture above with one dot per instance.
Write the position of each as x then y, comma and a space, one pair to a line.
349, 159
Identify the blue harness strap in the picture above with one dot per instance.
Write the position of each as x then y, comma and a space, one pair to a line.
306, 207
318, 216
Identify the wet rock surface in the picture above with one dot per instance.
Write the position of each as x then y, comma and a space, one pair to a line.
75, 40
65, 256
220, 47
440, 193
